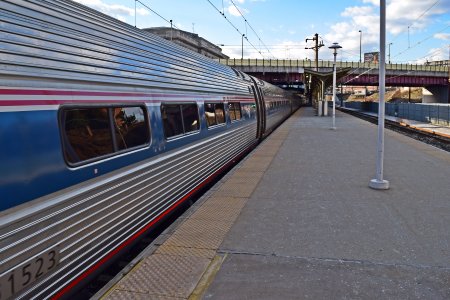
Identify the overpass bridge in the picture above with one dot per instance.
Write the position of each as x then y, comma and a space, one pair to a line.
317, 76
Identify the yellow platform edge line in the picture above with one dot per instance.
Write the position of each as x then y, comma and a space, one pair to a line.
207, 278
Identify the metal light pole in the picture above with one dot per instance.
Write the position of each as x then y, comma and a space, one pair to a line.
360, 46
379, 183
242, 53
335, 46
171, 35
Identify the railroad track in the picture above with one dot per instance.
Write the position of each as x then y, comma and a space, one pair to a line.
429, 137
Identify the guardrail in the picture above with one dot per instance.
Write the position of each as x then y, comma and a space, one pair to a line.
247, 62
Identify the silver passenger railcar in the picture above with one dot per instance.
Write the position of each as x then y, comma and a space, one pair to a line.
105, 130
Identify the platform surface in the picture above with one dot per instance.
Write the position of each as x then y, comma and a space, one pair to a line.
297, 220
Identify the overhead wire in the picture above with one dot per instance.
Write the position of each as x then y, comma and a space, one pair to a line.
156, 13
247, 23
418, 18
342, 50
235, 27
439, 50
359, 75
420, 42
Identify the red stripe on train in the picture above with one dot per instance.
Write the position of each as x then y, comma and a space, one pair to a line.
14, 92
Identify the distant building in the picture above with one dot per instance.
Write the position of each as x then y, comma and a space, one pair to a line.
438, 63
188, 40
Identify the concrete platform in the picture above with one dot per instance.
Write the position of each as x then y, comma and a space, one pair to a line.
297, 220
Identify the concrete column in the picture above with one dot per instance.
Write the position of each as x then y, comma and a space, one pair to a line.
325, 104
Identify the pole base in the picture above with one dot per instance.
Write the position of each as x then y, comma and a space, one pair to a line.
333, 128
379, 184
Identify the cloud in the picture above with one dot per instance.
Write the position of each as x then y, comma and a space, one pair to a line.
357, 10
373, 2
434, 54
417, 14
232, 10
442, 36
115, 10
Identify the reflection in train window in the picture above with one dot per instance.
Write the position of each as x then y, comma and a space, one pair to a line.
179, 119
130, 127
88, 131
172, 121
190, 117
215, 113
235, 110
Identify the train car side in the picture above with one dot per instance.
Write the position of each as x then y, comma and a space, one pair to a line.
106, 203
105, 130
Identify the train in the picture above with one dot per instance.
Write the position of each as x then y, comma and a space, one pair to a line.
106, 130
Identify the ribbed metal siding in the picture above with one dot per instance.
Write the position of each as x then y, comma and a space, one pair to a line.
66, 40
276, 118
96, 221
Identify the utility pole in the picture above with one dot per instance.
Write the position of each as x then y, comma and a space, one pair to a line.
171, 34
389, 52
360, 46
316, 48
409, 45
242, 48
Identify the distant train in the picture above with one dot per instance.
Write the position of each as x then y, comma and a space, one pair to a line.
105, 129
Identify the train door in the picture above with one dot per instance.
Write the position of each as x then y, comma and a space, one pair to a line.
260, 110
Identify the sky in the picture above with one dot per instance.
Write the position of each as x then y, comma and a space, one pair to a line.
419, 30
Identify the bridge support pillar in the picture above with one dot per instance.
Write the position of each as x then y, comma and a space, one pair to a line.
435, 94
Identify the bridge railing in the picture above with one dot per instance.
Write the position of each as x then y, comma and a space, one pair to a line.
298, 63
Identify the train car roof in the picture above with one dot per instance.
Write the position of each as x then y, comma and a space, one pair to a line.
48, 42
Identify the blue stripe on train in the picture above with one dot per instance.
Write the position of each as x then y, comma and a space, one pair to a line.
32, 163
31, 160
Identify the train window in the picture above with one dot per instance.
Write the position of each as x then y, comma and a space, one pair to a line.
172, 120
190, 117
130, 127
179, 119
210, 114
215, 113
88, 131
235, 110
220, 113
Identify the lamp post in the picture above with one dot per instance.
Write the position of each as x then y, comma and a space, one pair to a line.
335, 46
360, 46
242, 52
379, 183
